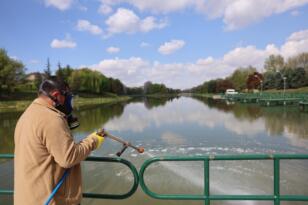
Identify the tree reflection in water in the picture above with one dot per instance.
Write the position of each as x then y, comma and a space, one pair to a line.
279, 120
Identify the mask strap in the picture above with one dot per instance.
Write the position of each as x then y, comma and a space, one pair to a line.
41, 90
50, 96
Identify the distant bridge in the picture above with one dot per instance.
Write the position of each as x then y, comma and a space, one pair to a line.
269, 99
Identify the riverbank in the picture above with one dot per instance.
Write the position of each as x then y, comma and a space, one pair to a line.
21, 105
208, 95
303, 90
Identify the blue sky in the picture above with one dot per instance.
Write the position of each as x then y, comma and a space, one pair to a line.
181, 43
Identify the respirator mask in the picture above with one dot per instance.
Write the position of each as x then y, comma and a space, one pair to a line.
67, 107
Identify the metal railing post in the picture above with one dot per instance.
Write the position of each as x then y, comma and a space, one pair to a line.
207, 181
276, 181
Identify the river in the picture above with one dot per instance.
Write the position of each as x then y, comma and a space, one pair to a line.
186, 126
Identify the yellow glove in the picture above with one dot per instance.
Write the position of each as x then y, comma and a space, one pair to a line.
100, 139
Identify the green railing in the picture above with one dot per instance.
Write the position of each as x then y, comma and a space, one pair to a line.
94, 195
115, 196
207, 197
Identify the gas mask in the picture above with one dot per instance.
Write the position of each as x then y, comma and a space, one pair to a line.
67, 109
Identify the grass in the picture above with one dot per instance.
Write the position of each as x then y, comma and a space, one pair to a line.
297, 90
21, 105
208, 95
81, 101
14, 105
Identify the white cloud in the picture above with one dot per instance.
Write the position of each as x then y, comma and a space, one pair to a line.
207, 61
249, 55
150, 23
66, 43
240, 13
135, 71
155, 6
126, 21
84, 25
171, 46
296, 43
235, 13
105, 9
131, 71
299, 36
113, 49
144, 44
59, 4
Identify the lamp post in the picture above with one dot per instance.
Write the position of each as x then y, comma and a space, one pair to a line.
261, 82
284, 82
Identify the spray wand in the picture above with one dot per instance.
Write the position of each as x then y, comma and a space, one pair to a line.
125, 144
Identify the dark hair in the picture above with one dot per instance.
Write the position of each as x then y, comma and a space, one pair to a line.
51, 84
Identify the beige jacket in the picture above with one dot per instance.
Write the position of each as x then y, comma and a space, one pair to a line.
44, 149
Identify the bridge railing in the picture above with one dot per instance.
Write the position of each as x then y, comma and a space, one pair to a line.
276, 197
207, 197
96, 195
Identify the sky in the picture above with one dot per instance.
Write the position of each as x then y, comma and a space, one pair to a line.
180, 43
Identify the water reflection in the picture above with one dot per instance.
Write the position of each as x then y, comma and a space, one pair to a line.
190, 126
288, 121
137, 117
92, 118
7, 126
173, 114
152, 102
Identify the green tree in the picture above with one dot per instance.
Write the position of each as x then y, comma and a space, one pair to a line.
298, 79
298, 61
146, 87
135, 91
11, 72
269, 80
64, 73
47, 71
212, 84
89, 81
274, 63
59, 72
223, 85
117, 86
240, 75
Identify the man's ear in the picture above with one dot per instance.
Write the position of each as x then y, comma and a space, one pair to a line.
55, 93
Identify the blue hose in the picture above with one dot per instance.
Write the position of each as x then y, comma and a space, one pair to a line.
54, 191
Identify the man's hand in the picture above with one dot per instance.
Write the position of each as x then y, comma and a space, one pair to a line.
100, 134
100, 138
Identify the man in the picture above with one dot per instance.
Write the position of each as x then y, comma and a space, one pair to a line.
44, 149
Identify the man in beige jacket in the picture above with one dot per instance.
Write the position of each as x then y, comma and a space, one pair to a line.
44, 149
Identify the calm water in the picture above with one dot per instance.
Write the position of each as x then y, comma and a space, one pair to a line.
187, 127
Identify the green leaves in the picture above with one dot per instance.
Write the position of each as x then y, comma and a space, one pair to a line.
11, 72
